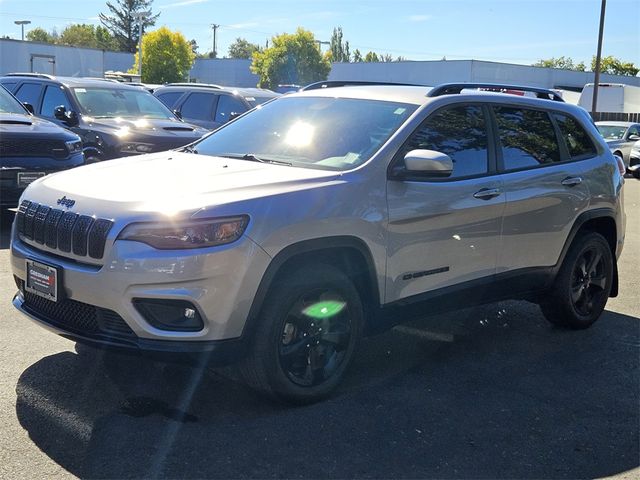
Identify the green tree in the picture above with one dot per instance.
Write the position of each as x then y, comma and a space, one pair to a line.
242, 48
371, 57
39, 34
292, 58
357, 56
105, 40
123, 24
339, 49
166, 57
563, 62
615, 66
79, 35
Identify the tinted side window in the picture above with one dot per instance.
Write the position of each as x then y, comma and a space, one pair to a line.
461, 133
633, 130
199, 106
227, 106
54, 96
577, 140
527, 136
30, 93
169, 98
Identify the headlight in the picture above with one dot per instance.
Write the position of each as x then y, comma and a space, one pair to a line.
74, 146
187, 234
136, 148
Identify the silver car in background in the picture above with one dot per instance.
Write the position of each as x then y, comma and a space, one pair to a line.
620, 136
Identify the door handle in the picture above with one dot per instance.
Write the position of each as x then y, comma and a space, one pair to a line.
487, 193
571, 181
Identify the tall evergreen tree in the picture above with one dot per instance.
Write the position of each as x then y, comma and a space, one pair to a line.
339, 49
123, 24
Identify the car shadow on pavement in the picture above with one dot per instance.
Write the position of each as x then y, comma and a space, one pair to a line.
501, 395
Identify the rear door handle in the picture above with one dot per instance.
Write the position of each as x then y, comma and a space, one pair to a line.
571, 181
487, 193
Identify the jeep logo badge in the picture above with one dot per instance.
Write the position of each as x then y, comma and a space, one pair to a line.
67, 202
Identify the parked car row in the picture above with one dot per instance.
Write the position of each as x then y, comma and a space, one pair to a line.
109, 120
31, 148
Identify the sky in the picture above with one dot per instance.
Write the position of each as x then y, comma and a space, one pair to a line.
511, 31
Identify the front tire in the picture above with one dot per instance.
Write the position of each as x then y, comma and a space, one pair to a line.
582, 287
307, 334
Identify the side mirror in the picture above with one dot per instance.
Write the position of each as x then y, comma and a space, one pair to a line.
67, 116
29, 107
177, 114
428, 163
634, 137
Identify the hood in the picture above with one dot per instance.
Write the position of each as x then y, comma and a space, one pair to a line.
167, 183
135, 128
17, 125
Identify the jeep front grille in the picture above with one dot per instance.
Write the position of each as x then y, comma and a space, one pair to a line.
33, 148
65, 231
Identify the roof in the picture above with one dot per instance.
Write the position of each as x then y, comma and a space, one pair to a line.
75, 81
244, 92
617, 124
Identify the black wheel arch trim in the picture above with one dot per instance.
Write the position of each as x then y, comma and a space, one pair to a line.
305, 247
582, 219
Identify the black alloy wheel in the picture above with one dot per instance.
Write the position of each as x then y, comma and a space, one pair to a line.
315, 337
588, 281
306, 335
582, 286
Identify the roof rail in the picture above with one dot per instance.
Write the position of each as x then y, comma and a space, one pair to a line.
188, 84
455, 88
350, 83
29, 74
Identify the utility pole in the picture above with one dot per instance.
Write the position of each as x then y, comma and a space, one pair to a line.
215, 28
140, 16
596, 81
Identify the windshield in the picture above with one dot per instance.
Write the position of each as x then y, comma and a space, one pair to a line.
255, 101
8, 104
118, 102
612, 132
311, 132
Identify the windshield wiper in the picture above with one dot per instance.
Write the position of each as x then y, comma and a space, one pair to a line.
190, 149
253, 158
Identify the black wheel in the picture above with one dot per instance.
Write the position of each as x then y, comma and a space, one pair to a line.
307, 334
583, 284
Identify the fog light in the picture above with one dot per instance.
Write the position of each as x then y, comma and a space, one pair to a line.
172, 315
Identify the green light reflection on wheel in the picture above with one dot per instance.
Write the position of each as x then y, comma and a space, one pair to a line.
324, 309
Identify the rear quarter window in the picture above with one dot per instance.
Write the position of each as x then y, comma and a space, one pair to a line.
578, 142
169, 98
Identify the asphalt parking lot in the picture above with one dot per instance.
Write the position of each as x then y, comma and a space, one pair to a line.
492, 392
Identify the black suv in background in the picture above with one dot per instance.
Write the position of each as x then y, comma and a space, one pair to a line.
112, 119
210, 106
30, 148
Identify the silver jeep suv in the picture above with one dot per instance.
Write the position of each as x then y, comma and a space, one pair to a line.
277, 241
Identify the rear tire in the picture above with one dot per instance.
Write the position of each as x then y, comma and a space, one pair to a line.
308, 330
583, 284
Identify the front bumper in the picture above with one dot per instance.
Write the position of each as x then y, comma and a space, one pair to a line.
215, 352
220, 282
